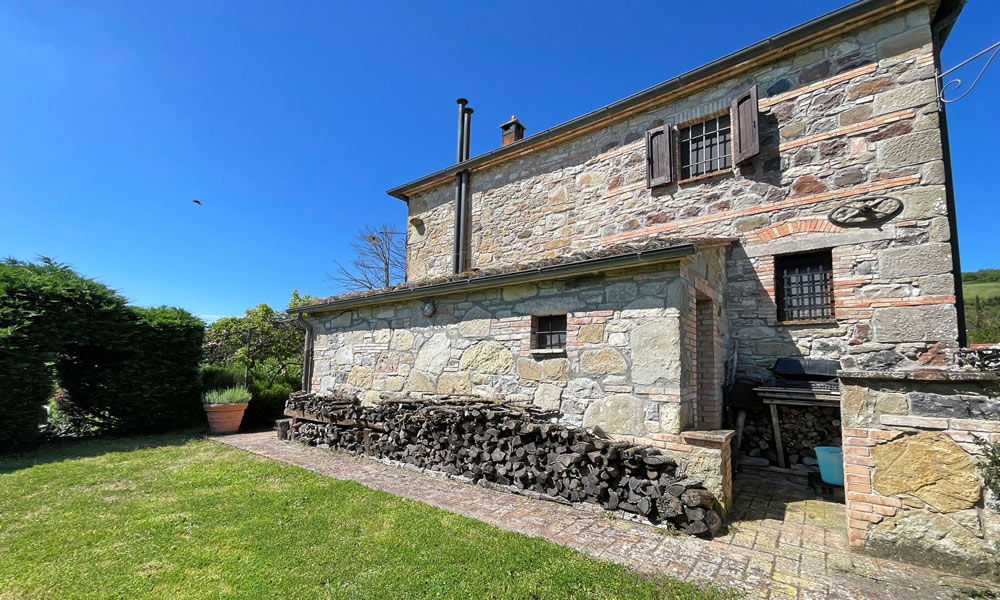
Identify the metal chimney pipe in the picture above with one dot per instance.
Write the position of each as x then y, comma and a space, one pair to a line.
462, 153
466, 130
462, 237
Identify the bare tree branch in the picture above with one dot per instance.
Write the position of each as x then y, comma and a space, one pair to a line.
379, 260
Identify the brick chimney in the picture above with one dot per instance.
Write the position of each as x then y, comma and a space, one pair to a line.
511, 131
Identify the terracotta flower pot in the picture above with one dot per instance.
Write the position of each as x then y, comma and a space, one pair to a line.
225, 418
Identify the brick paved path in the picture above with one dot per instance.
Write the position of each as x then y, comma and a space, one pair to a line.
775, 548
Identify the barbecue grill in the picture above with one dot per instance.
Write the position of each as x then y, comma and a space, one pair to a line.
802, 381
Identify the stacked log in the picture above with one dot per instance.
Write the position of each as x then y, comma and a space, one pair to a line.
507, 445
802, 429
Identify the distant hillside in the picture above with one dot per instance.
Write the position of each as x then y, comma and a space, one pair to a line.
982, 305
984, 290
982, 276
984, 284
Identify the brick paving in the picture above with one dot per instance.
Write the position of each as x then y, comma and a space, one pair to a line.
782, 543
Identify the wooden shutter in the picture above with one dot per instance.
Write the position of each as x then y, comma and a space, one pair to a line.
746, 138
659, 156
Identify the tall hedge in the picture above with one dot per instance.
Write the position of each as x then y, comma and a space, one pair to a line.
146, 381
44, 307
160, 387
25, 384
122, 368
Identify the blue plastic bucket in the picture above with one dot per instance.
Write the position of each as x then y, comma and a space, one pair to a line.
831, 464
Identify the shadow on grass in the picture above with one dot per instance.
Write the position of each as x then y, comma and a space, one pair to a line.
70, 448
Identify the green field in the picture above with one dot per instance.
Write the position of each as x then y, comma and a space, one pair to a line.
990, 289
185, 517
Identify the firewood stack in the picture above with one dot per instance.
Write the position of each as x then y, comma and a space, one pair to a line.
508, 445
802, 429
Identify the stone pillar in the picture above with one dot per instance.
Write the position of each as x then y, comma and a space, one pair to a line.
710, 460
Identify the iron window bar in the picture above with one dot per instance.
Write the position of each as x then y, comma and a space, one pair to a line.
550, 332
805, 288
705, 147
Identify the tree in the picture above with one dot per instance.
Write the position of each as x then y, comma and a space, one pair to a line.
379, 260
264, 344
264, 347
298, 299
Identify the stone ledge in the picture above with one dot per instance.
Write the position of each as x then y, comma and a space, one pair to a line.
920, 375
709, 438
547, 352
918, 422
975, 425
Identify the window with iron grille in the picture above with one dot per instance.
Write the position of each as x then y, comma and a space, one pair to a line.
549, 332
804, 286
705, 147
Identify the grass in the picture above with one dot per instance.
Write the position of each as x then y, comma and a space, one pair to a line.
984, 290
184, 517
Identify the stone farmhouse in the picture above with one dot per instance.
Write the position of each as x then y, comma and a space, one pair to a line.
790, 200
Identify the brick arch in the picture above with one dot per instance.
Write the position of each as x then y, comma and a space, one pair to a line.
784, 228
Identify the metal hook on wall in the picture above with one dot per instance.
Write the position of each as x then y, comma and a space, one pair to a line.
956, 83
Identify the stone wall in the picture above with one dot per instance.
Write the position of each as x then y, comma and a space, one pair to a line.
624, 369
852, 117
912, 486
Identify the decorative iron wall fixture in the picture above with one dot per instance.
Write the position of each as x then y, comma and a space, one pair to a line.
865, 212
956, 83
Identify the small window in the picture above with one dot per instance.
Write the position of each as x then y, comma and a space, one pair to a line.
705, 147
804, 286
550, 332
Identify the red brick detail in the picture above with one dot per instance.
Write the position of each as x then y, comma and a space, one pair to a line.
864, 442
848, 431
884, 302
784, 228
817, 85
863, 126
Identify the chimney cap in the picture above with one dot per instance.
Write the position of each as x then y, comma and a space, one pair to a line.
513, 119
511, 131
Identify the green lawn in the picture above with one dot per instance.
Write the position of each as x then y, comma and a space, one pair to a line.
984, 290
184, 517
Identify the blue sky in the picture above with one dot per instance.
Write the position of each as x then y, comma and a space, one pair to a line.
289, 120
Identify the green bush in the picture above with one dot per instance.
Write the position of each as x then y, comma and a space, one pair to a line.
47, 312
122, 368
216, 378
25, 385
267, 346
269, 400
989, 468
233, 395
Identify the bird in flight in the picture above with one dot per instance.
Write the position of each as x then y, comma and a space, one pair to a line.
198, 202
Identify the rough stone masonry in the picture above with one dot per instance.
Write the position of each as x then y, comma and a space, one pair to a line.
847, 111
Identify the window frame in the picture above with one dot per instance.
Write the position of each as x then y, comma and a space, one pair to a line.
725, 157
550, 344
819, 304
